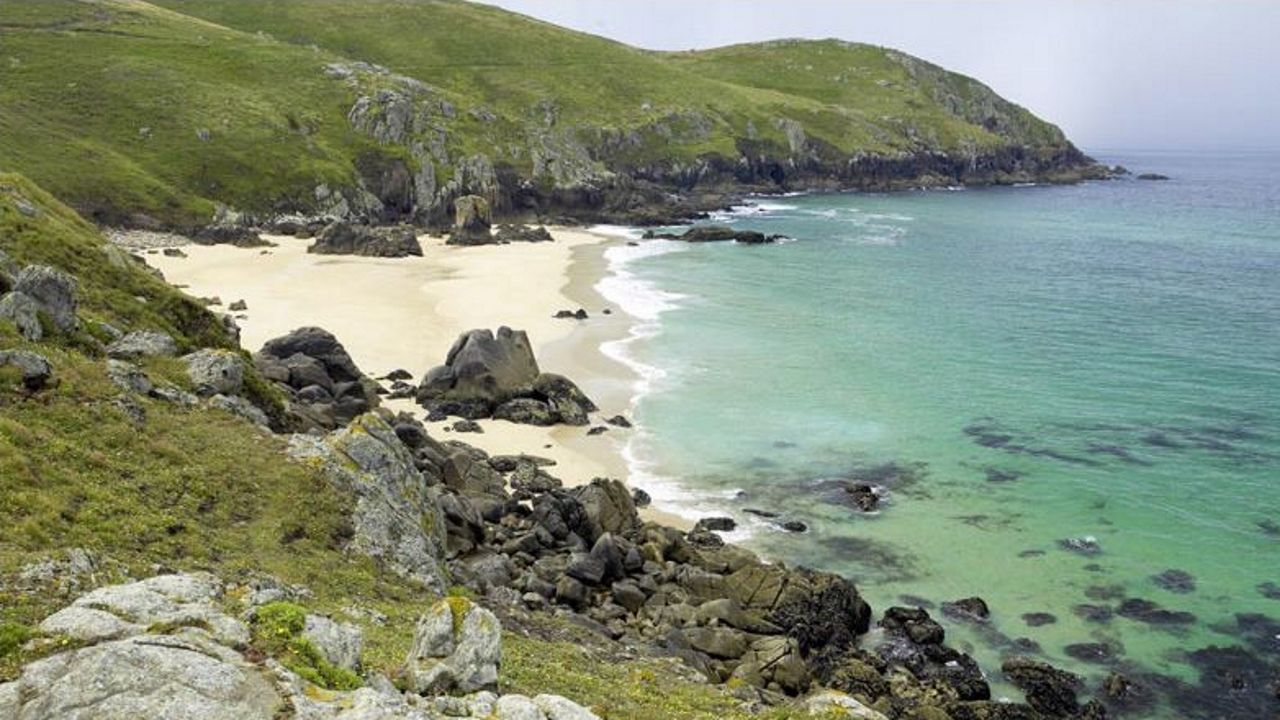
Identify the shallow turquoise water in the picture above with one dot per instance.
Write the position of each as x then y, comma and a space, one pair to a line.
1033, 364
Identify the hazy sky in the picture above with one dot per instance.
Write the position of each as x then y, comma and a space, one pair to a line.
1112, 73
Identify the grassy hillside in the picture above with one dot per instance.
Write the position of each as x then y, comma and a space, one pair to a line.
191, 488
136, 111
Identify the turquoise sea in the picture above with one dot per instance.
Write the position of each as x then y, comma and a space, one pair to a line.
1061, 393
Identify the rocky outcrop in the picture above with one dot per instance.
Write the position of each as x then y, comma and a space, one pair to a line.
472, 220
36, 292
397, 518
488, 374
344, 238
521, 233
142, 343
717, 233
457, 647
324, 386
166, 647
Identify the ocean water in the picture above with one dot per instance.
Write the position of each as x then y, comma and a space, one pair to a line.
1060, 393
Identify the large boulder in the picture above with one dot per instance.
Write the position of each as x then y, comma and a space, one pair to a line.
609, 507
472, 220
1049, 690
325, 388
184, 675
24, 312
397, 518
215, 372
457, 647
344, 238
143, 343
487, 374
54, 291
36, 369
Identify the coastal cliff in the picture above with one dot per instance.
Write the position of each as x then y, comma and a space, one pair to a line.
188, 114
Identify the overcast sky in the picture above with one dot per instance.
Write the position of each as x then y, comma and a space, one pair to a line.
1114, 74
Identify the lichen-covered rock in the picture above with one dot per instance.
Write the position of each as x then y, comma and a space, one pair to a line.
119, 610
185, 675
54, 291
397, 517
240, 407
24, 312
215, 372
472, 221
36, 370
340, 643
143, 343
457, 647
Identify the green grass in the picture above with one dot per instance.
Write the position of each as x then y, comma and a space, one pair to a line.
102, 102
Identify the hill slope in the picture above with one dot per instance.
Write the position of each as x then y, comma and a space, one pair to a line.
389, 109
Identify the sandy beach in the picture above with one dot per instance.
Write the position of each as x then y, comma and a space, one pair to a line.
405, 314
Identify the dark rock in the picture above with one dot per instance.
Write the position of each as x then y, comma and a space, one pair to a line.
761, 513
1093, 613
608, 507
1175, 581
1036, 619
972, 608
309, 357
640, 498
237, 235
568, 402
719, 524
619, 421
915, 624
521, 233
525, 411
1049, 690
471, 221
36, 370
173, 252
795, 526
238, 306
344, 238
578, 314
1269, 590
1097, 652
399, 374
627, 594
1152, 176
863, 496
467, 426
571, 592
586, 568
721, 233
598, 430
1149, 612
1087, 546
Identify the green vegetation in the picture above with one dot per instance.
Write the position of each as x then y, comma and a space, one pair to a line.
277, 631
132, 110
197, 489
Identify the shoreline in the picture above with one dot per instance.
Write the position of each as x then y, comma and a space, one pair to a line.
405, 313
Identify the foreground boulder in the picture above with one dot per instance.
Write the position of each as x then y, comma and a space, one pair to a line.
344, 238
166, 647
457, 647
521, 233
35, 291
488, 374
472, 220
325, 388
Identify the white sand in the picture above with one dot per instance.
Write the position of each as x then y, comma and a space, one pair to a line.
406, 313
